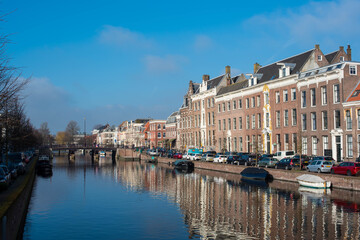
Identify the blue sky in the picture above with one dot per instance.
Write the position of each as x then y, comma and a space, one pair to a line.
110, 61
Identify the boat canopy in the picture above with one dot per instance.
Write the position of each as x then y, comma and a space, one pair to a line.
310, 178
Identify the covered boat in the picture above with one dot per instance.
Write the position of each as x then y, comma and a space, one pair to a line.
183, 164
254, 173
312, 181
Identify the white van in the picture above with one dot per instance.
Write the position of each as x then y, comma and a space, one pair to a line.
284, 154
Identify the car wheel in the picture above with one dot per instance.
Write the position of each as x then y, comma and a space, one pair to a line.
307, 169
332, 171
348, 173
246, 164
266, 166
286, 168
276, 167
319, 170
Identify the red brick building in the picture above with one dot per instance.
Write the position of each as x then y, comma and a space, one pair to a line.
157, 133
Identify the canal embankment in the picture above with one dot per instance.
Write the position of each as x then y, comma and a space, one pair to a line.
14, 203
343, 182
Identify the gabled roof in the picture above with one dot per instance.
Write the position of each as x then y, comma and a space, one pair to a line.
355, 94
196, 86
233, 87
329, 57
271, 71
214, 82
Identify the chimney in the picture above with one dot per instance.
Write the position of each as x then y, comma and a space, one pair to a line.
191, 89
341, 48
317, 46
227, 69
349, 52
256, 67
206, 77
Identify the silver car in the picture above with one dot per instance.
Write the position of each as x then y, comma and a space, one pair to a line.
319, 166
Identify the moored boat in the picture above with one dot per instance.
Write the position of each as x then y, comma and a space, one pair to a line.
183, 164
312, 181
254, 173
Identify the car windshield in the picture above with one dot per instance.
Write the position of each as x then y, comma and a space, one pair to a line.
327, 163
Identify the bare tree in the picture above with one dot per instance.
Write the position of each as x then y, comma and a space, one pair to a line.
45, 133
72, 129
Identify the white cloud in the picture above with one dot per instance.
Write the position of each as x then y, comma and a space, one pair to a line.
123, 37
314, 22
202, 43
166, 64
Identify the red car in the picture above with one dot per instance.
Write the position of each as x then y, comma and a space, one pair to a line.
177, 156
348, 168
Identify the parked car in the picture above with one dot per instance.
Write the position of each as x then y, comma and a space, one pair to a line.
178, 156
266, 156
190, 156
288, 163
304, 160
284, 154
316, 158
195, 157
208, 157
267, 162
233, 159
6, 172
4, 183
319, 166
348, 168
219, 158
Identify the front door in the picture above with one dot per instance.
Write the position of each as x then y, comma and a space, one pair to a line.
338, 148
267, 143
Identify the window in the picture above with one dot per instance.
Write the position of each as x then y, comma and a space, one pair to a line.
342, 59
286, 118
203, 104
319, 58
349, 146
212, 102
324, 120
294, 142
284, 71
219, 109
259, 120
234, 123
223, 105
285, 95
247, 122
213, 118
253, 102
229, 123
325, 143
293, 94
304, 145
303, 121
352, 70
314, 145
267, 120
209, 119
266, 97
224, 124
258, 101
240, 144
313, 121
323, 95
247, 103
219, 125
234, 105
277, 97
348, 120
164, 134
336, 93
240, 123
294, 117
240, 103
208, 102
358, 120
228, 106
159, 135
337, 118
278, 142
313, 97
253, 122
235, 144
277, 120
286, 141
303, 99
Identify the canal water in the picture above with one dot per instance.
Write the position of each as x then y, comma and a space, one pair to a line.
131, 200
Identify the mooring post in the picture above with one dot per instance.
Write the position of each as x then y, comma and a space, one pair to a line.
113, 155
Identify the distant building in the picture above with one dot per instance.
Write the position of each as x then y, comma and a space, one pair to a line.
157, 133
171, 130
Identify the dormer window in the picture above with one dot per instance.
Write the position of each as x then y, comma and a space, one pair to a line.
284, 72
342, 59
319, 58
252, 81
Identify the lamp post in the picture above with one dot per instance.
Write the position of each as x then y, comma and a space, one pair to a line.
85, 131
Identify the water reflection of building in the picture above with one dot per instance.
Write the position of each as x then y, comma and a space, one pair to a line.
214, 207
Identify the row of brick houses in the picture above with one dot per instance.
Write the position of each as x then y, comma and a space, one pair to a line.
309, 103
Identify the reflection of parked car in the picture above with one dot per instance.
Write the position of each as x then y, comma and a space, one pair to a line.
6, 172
319, 166
288, 163
267, 162
348, 168
220, 158
4, 182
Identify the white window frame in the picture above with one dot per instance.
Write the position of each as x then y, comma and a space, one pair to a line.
336, 94
352, 70
303, 99
304, 145
313, 121
293, 94
323, 95
319, 58
286, 118
325, 140
258, 101
349, 146
348, 119
293, 117
323, 114
277, 97
285, 96
312, 97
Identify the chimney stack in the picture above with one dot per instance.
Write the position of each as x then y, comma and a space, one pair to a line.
227, 69
349, 53
191, 89
317, 46
206, 77
256, 67
341, 48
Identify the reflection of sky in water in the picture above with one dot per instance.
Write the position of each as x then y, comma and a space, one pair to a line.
133, 201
